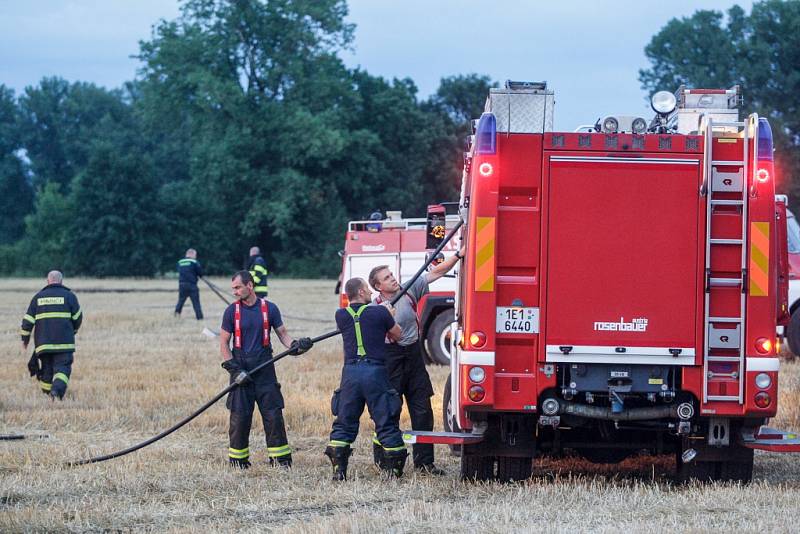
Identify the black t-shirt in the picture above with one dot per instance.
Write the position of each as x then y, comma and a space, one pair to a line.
375, 322
252, 324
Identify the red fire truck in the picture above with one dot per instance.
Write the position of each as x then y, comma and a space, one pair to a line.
402, 244
621, 288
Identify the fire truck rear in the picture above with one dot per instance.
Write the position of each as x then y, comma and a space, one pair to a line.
621, 288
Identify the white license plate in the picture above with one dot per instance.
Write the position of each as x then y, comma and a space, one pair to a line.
517, 320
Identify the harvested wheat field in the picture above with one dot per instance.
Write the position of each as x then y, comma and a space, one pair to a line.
138, 370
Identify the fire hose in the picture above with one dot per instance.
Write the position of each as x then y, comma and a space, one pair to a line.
244, 375
216, 290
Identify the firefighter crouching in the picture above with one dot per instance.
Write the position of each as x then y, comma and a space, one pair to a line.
404, 362
246, 326
365, 380
258, 270
54, 315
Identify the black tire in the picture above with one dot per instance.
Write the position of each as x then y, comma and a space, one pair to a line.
476, 468
448, 417
793, 333
739, 470
604, 456
437, 339
514, 469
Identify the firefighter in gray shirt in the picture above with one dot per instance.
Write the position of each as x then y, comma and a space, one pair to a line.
404, 362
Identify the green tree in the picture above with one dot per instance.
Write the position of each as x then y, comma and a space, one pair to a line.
16, 194
760, 51
59, 121
116, 227
47, 233
462, 97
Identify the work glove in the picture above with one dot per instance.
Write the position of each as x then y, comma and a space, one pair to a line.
235, 370
33, 365
299, 346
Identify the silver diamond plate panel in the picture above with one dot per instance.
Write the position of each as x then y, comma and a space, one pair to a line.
521, 111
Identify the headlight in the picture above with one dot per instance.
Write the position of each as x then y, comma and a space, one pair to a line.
663, 102
610, 125
639, 125
763, 380
477, 374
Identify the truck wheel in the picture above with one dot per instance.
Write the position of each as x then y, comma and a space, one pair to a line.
448, 417
437, 340
476, 467
604, 456
793, 333
739, 470
514, 469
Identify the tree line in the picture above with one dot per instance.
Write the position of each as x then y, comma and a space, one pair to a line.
243, 127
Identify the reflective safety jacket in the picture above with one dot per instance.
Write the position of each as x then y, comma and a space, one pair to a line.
54, 315
189, 271
258, 270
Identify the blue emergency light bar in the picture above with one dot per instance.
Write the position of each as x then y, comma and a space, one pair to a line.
486, 135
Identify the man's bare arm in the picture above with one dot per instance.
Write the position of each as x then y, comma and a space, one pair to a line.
224, 345
284, 336
445, 267
394, 333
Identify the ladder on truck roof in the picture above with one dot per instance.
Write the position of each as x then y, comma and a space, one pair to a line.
726, 193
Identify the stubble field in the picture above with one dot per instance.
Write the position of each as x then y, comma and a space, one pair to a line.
138, 370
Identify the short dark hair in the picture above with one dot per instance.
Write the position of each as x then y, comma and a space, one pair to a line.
246, 277
373, 275
352, 287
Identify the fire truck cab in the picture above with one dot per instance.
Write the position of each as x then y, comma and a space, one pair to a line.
621, 288
402, 244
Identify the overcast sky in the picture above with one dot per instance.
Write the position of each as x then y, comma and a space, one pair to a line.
589, 52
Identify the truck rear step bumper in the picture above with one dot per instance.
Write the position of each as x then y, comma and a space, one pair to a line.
441, 438
770, 439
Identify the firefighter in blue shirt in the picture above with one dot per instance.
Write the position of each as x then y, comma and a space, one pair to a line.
245, 344
54, 316
258, 270
189, 271
365, 380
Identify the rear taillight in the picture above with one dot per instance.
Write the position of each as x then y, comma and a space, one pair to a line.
476, 393
486, 169
763, 345
762, 399
762, 175
763, 381
477, 339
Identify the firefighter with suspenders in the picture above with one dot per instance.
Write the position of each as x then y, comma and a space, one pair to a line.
404, 361
244, 344
365, 381
258, 270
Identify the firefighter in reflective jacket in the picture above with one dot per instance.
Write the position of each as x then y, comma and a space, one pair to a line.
258, 270
54, 315
365, 380
247, 323
189, 271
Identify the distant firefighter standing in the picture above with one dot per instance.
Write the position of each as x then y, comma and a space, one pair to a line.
189, 271
54, 316
258, 270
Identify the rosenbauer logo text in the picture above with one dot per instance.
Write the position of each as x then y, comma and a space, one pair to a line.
635, 325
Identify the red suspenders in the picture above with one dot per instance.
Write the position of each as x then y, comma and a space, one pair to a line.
237, 320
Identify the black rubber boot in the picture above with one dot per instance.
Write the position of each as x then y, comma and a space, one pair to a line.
239, 463
377, 454
393, 462
282, 461
339, 456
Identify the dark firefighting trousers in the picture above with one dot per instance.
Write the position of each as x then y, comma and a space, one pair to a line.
408, 375
264, 390
54, 371
366, 382
191, 292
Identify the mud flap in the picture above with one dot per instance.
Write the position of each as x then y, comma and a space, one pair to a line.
770, 439
440, 438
